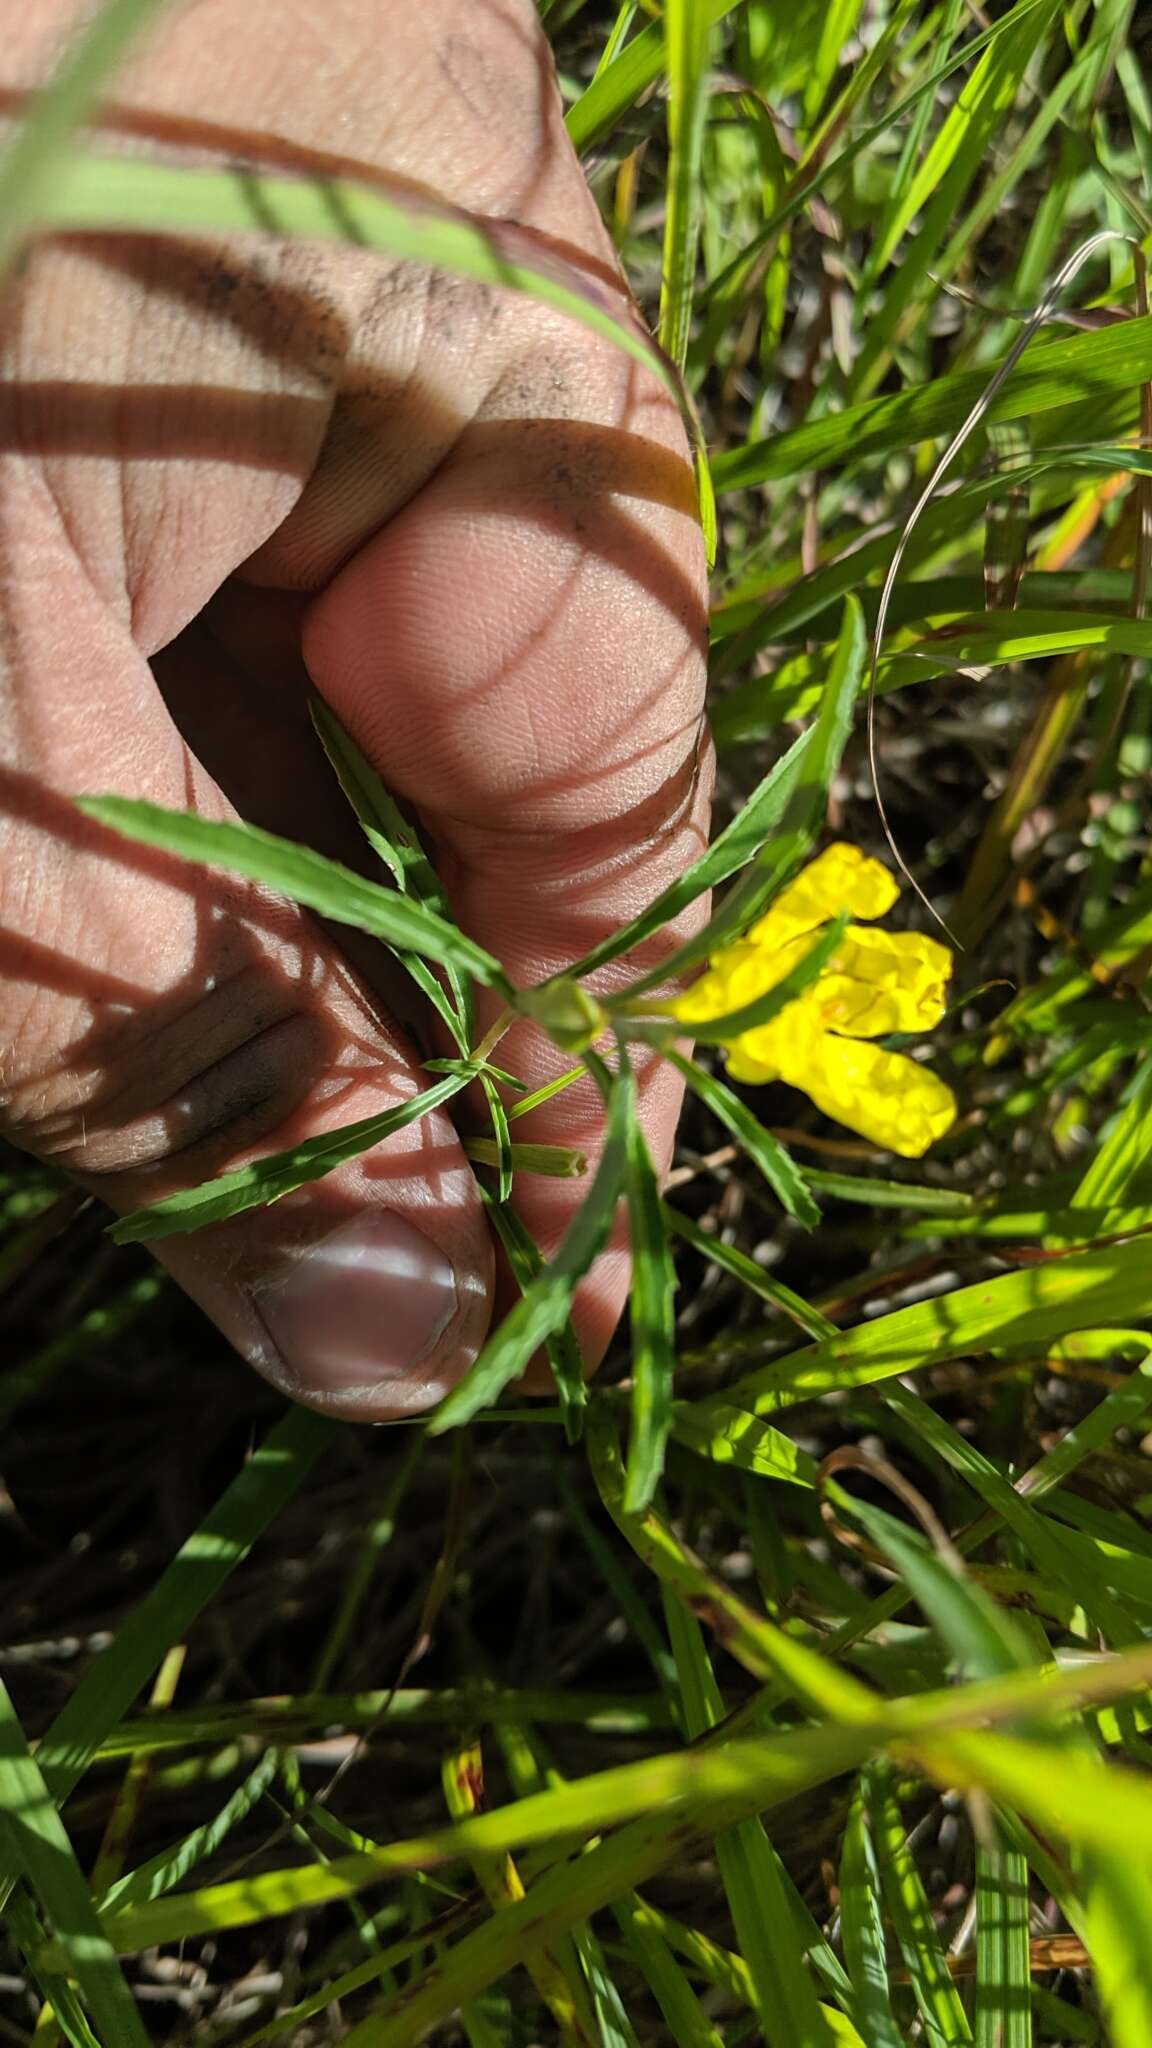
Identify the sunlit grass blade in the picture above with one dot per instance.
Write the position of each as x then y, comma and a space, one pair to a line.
266, 1180
780, 1170
687, 2022
652, 1318
768, 1651
621, 83
862, 1930
170, 1866
1003, 2009
39, 1848
981, 1637
31, 161
63, 2007
686, 27
394, 841
752, 1276
943, 2015
1118, 1930
557, 1901
103, 193
1125, 1150
561, 1345
544, 1307
304, 875
269, 1478
1056, 373
730, 1436
1033, 1306
1051, 1549
462, 1775
765, 1933
686, 1788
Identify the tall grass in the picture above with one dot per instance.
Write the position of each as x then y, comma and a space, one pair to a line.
820, 1713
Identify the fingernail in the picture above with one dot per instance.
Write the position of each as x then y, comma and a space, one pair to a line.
358, 1311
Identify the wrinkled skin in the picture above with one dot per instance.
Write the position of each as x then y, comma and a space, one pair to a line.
232, 473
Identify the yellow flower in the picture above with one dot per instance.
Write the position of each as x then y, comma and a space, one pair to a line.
876, 982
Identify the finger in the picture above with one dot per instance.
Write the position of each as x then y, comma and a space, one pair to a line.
520, 653
161, 1025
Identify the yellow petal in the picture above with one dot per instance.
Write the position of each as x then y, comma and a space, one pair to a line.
885, 1096
777, 1050
840, 878
738, 975
884, 981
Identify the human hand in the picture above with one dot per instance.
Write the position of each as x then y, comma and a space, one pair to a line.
231, 474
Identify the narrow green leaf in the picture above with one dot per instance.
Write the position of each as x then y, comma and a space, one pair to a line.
686, 38
394, 841
752, 1276
982, 1638
733, 848
862, 1930
780, 1170
1124, 1154
109, 194
166, 1869
687, 2022
38, 1847
32, 159
652, 1317
267, 1180
266, 1482
544, 1306
299, 872
548, 1159
623, 81
1056, 374
1032, 1306
23, 1924
561, 1345
753, 1878
730, 1436
1003, 2010
945, 2022
677, 1793
1051, 1549
1118, 1930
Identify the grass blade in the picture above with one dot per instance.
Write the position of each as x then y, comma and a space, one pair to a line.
686, 37
1058, 373
394, 841
945, 2022
267, 1180
300, 873
30, 163
1003, 2010
544, 1307
687, 2022
777, 1165
39, 1849
166, 1869
1031, 1307
268, 1479
652, 1313
862, 1930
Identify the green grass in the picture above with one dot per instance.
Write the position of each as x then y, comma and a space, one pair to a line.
795, 1690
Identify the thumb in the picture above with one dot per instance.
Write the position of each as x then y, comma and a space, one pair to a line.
162, 1024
